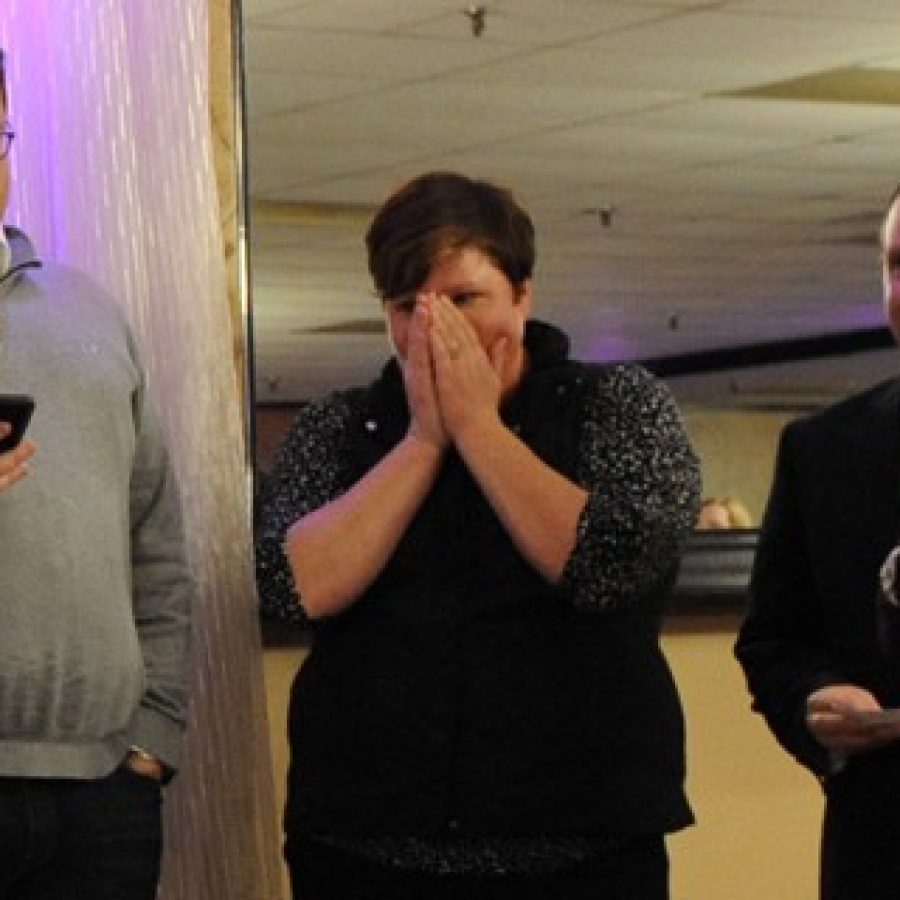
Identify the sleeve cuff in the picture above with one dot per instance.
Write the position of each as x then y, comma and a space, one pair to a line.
158, 736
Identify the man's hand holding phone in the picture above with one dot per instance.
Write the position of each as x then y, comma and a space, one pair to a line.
846, 719
14, 463
15, 451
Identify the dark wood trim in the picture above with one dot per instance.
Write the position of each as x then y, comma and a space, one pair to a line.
282, 634
715, 572
747, 356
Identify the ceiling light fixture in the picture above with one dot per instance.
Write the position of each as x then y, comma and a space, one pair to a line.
605, 214
475, 14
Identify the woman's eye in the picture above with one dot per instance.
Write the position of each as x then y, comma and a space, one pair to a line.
463, 297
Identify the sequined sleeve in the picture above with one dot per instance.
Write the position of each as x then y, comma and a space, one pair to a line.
307, 475
644, 482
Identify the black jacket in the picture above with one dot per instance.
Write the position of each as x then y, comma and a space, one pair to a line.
832, 518
463, 694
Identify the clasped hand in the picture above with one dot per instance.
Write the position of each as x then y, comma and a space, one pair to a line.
451, 380
845, 718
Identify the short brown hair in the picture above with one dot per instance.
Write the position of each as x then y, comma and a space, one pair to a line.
440, 212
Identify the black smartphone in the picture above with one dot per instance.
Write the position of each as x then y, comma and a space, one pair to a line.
15, 409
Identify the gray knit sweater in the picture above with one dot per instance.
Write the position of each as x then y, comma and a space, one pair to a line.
94, 616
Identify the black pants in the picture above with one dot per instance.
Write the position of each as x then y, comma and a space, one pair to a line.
861, 836
319, 872
62, 839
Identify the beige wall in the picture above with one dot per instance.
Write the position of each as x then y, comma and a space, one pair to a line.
758, 813
737, 451
280, 664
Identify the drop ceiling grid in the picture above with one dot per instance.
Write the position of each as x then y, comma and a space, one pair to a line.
696, 176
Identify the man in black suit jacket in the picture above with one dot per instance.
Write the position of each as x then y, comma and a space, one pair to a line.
817, 645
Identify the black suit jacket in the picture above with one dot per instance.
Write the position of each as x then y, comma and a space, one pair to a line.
833, 516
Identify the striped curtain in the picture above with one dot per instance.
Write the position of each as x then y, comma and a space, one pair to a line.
114, 172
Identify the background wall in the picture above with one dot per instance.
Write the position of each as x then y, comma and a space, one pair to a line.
758, 813
737, 451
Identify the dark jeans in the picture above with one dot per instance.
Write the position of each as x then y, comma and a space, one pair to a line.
63, 839
319, 872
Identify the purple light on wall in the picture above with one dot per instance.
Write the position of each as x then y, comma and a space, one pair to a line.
611, 348
857, 317
35, 50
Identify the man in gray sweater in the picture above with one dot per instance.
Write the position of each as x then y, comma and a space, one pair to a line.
96, 594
